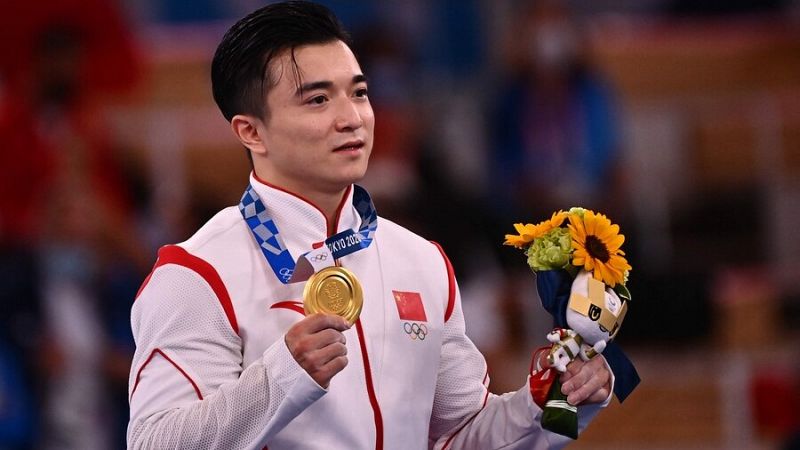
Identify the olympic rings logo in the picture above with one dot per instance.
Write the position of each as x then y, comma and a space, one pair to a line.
286, 273
319, 257
415, 330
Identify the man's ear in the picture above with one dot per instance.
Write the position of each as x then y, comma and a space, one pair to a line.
248, 130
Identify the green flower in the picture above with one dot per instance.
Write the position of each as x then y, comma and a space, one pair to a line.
551, 251
576, 211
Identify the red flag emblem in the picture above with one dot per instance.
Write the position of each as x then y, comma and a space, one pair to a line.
409, 306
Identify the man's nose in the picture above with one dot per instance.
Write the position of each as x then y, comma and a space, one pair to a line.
348, 116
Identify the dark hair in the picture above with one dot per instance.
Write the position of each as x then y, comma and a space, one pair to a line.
239, 76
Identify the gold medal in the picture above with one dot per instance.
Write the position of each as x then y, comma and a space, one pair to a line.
334, 290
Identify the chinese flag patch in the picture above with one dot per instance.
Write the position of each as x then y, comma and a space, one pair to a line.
409, 306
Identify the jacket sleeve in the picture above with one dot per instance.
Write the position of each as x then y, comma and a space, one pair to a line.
466, 415
188, 388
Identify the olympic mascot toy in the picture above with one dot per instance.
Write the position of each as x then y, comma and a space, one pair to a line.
594, 316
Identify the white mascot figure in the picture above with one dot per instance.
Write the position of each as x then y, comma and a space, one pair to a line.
594, 315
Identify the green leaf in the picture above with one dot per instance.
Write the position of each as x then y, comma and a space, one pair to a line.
622, 292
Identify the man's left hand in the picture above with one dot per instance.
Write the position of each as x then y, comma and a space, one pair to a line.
586, 381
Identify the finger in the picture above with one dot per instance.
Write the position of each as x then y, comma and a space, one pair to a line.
594, 391
325, 373
304, 345
321, 364
325, 355
297, 334
573, 368
326, 337
600, 395
596, 381
577, 374
316, 322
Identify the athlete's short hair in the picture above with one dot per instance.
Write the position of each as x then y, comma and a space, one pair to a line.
240, 78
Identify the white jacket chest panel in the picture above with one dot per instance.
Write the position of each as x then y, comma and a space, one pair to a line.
403, 365
406, 379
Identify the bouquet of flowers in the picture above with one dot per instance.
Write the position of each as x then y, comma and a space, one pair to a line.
582, 275
573, 239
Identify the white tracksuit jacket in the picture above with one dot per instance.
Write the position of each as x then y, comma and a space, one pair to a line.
212, 370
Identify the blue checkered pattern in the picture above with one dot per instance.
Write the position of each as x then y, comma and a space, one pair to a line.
269, 240
262, 226
369, 216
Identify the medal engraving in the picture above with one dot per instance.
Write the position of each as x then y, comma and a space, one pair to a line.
333, 295
334, 290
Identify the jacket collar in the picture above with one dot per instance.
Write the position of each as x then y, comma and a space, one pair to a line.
301, 223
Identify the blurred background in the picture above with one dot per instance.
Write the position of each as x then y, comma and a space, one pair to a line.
679, 119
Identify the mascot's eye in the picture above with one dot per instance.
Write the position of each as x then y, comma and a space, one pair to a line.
594, 312
612, 304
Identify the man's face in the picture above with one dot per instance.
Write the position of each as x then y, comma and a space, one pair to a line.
317, 137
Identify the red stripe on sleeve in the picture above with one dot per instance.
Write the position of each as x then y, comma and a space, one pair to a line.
451, 283
173, 254
180, 369
485, 399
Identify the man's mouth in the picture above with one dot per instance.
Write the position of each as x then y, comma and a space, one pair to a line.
350, 146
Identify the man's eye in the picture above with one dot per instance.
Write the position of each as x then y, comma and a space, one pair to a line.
361, 92
318, 100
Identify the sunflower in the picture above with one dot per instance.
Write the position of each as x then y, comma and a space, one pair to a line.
597, 245
528, 232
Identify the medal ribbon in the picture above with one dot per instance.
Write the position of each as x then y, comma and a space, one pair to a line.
266, 233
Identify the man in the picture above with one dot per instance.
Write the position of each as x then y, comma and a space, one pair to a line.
226, 357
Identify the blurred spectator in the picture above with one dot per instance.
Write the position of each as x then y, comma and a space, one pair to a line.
555, 127
386, 58
64, 217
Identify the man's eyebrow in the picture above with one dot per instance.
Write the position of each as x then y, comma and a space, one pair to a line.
312, 86
360, 78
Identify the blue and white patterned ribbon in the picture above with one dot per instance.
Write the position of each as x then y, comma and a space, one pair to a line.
266, 234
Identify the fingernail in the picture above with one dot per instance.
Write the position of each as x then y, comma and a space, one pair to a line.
566, 388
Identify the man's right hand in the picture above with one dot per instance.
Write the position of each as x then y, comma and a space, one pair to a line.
318, 345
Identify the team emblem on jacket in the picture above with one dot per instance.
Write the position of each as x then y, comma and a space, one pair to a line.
415, 330
411, 311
